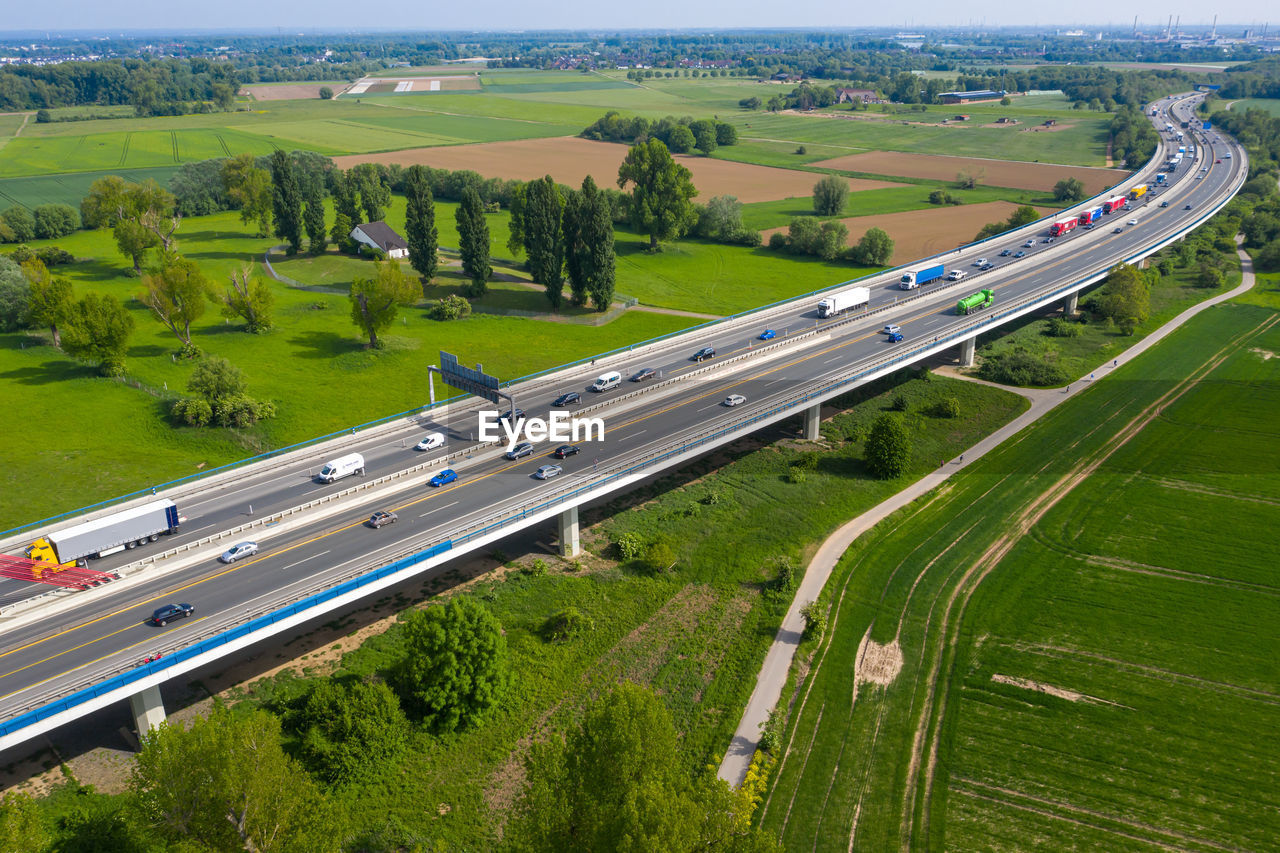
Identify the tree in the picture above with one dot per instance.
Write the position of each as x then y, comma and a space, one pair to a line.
249, 187
20, 223
20, 824
721, 219
830, 195
662, 192
176, 294
681, 139
807, 236
727, 134
249, 299
1004, 102
455, 668
595, 231
227, 784
375, 301
326, 93
286, 201
313, 219
342, 186
133, 240
219, 387
349, 731
543, 237
97, 329
1125, 298
473, 241
617, 781
1069, 190
704, 135
575, 250
515, 225
1210, 276
375, 194
875, 248
420, 224
15, 297
967, 179
50, 298
888, 451
140, 215
341, 232
55, 220
215, 379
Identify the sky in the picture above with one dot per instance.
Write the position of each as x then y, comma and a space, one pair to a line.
508, 15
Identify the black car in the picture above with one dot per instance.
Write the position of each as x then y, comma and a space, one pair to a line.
1004, 253
566, 399
644, 375
564, 451
524, 448
515, 415
705, 352
164, 615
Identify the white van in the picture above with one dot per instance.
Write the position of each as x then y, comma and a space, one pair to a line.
605, 381
343, 466
430, 441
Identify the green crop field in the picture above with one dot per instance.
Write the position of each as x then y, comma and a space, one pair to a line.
123, 150
1072, 645
1271, 105
70, 188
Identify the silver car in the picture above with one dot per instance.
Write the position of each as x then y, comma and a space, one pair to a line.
546, 472
235, 552
734, 400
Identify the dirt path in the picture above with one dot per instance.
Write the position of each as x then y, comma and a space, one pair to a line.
777, 663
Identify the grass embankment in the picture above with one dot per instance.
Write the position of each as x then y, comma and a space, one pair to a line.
1088, 628
695, 634
1099, 340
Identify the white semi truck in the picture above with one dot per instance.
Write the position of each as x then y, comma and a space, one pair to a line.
110, 534
838, 303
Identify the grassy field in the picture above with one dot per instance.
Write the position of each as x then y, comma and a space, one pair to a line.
695, 634
71, 187
770, 214
1086, 625
1271, 105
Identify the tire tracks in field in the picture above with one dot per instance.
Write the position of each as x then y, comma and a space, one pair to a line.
924, 758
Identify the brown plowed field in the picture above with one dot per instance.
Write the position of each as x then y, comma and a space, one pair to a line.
289, 91
920, 233
996, 173
569, 160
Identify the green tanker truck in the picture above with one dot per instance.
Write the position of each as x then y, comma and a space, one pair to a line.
976, 302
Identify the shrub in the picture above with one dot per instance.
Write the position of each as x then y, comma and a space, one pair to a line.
660, 557
800, 149
771, 733
326, 93
55, 220
192, 411
629, 546
778, 241
947, 407
43, 117
566, 625
807, 460
815, 620
1020, 367
1061, 327
21, 223
451, 307
899, 403
52, 256
796, 476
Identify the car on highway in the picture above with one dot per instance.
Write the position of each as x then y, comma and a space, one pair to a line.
767, 335
1118, 230
430, 441
1004, 253
734, 400
895, 338
1089, 227
235, 552
1216, 161
985, 265
891, 328
644, 374
382, 517
1133, 222
163, 615
1019, 254
566, 399
1164, 204
524, 448
1186, 207
980, 262
515, 415
443, 478
705, 352
956, 275
1047, 240
564, 451
546, 472
1028, 244
1226, 156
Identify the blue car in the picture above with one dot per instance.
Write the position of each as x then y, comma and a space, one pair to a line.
445, 477
768, 335
895, 337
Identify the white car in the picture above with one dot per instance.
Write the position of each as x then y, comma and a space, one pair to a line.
546, 472
1028, 244
430, 441
956, 275
1133, 222
734, 400
892, 328
981, 262
235, 552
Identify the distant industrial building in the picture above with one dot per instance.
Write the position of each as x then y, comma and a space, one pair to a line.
970, 97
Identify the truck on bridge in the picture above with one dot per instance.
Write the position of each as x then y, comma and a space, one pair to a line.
838, 303
976, 301
1160, 179
1111, 205
101, 537
1062, 226
1090, 216
911, 279
1138, 192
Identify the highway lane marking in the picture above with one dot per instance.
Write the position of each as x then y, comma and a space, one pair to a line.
633, 435
437, 509
81, 646
704, 408
303, 560
837, 358
930, 311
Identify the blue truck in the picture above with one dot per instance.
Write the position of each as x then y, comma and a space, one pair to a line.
1089, 217
911, 279
1160, 178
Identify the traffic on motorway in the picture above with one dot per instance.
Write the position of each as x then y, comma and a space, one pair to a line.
451, 492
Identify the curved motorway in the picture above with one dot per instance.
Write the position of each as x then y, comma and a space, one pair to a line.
90, 635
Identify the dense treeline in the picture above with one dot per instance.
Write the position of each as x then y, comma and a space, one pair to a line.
1133, 137
680, 135
151, 87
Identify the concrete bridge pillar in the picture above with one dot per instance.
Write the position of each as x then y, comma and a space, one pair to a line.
1070, 303
570, 543
966, 352
148, 709
813, 422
